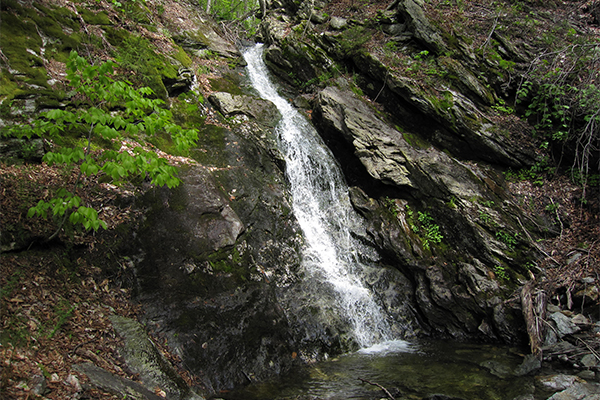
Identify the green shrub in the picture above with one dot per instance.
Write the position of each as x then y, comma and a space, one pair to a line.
105, 111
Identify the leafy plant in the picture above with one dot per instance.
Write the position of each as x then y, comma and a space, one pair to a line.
390, 204
104, 111
430, 231
508, 239
64, 311
500, 272
561, 94
501, 106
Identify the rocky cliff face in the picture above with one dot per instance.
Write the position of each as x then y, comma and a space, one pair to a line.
424, 174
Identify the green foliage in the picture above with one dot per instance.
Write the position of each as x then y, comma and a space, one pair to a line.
510, 240
536, 173
501, 106
424, 226
391, 206
352, 39
562, 98
10, 285
500, 272
485, 218
137, 54
105, 110
430, 231
64, 310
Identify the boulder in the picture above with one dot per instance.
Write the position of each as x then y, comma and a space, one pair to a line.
120, 386
564, 325
412, 12
144, 359
338, 23
578, 391
556, 382
385, 156
229, 105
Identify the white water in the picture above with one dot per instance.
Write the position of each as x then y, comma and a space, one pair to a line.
322, 207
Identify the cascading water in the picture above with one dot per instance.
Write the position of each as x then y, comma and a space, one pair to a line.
322, 206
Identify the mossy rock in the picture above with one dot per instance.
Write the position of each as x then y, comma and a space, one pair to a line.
92, 18
139, 55
229, 83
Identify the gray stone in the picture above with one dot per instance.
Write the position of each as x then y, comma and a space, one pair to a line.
460, 126
143, 358
318, 17
530, 364
587, 374
556, 382
230, 105
564, 325
578, 391
394, 29
589, 360
37, 384
418, 23
104, 380
338, 23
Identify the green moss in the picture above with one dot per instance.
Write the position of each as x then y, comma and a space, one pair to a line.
182, 57
416, 141
24, 49
137, 11
137, 54
229, 83
100, 18
231, 261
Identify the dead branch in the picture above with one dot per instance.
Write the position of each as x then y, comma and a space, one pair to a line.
534, 313
387, 393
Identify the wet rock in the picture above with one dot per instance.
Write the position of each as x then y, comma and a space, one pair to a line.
578, 391
497, 368
355, 133
556, 382
530, 364
181, 84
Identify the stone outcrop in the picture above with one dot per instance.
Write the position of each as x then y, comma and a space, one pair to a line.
401, 174
257, 108
459, 297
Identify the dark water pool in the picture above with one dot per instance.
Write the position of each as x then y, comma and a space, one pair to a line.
408, 371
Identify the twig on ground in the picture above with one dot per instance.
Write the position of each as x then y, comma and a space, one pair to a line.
387, 393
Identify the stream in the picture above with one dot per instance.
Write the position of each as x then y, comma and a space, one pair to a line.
424, 369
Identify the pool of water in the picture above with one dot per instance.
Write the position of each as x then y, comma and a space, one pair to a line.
419, 370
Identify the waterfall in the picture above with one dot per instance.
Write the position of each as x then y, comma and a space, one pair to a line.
322, 206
